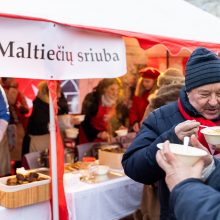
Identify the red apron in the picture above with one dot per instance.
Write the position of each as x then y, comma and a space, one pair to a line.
101, 121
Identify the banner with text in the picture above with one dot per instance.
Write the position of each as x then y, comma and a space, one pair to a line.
44, 50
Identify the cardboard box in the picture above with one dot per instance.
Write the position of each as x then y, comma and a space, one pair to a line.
25, 194
111, 159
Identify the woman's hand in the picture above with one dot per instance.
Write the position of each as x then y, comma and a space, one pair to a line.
187, 128
136, 127
104, 135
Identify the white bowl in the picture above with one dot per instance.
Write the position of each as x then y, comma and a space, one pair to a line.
101, 170
212, 134
189, 155
121, 132
71, 132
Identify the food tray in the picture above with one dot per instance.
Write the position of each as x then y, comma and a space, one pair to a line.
102, 178
25, 194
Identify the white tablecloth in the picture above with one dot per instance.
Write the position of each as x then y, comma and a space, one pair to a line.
40, 211
108, 200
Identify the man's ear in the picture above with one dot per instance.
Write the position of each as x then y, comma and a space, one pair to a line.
188, 94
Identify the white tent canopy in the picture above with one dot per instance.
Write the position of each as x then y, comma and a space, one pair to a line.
90, 31
171, 18
174, 19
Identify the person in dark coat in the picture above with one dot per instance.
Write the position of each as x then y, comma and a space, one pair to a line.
191, 197
199, 104
37, 137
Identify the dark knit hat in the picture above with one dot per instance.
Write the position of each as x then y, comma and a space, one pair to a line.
203, 67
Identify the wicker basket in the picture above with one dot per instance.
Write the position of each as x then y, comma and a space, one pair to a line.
23, 195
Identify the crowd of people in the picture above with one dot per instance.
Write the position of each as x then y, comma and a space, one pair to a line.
160, 107
107, 108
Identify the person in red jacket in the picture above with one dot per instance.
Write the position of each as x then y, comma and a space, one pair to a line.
146, 85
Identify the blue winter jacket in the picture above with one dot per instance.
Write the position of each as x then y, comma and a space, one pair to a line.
4, 108
139, 161
193, 199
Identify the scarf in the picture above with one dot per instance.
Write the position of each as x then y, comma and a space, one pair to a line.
107, 101
185, 113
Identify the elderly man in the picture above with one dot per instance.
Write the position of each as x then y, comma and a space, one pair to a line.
199, 104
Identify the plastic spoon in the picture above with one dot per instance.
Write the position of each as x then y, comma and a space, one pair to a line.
204, 126
186, 142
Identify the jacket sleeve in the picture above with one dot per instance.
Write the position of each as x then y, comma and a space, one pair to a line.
214, 178
192, 199
139, 161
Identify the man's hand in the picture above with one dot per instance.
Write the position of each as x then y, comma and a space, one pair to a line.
187, 128
176, 170
195, 143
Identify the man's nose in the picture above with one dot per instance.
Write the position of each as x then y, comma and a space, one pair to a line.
213, 100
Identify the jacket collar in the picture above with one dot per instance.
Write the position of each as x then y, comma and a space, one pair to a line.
189, 109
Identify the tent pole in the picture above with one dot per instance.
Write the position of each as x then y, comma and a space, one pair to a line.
53, 159
167, 59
